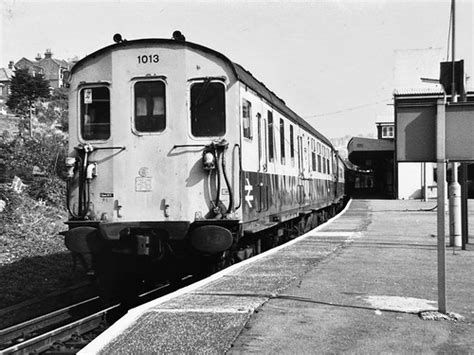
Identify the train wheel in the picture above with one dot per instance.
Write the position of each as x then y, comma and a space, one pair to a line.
214, 263
228, 259
107, 276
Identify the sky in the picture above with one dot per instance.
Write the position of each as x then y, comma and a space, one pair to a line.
332, 62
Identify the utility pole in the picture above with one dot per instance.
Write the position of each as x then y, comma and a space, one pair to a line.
454, 190
441, 171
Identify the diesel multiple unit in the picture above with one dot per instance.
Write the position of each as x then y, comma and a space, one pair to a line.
181, 160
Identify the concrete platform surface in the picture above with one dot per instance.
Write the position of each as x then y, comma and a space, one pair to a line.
356, 284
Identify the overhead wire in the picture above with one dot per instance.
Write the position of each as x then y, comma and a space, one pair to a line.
346, 109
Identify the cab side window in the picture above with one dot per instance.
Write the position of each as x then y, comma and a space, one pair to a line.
247, 118
95, 113
150, 107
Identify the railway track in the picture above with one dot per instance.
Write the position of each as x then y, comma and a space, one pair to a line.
34, 307
69, 329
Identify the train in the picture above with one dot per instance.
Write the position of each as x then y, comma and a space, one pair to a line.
181, 161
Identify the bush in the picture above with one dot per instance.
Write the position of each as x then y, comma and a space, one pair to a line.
50, 189
54, 112
10, 213
39, 162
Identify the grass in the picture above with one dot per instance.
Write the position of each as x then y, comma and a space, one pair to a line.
33, 259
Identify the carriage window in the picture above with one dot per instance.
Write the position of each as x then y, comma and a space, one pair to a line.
271, 154
282, 140
292, 146
95, 113
208, 109
324, 159
150, 113
247, 118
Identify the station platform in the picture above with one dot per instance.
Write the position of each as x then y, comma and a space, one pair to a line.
355, 284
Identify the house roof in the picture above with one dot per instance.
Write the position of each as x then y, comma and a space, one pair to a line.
434, 90
5, 74
242, 74
59, 62
25, 60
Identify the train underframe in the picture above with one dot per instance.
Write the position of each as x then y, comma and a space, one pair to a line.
144, 254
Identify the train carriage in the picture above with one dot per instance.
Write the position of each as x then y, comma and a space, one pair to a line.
180, 157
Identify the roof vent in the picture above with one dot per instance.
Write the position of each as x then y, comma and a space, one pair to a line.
178, 36
118, 38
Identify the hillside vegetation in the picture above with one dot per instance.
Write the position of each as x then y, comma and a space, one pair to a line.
33, 258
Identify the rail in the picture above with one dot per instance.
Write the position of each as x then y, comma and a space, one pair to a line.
63, 330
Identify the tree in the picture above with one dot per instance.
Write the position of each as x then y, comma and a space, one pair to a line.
25, 90
55, 111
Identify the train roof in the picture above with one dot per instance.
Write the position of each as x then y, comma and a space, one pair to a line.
242, 75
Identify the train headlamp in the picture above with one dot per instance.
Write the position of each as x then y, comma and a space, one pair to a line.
208, 160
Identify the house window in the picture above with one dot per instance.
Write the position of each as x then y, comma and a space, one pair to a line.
95, 113
247, 118
150, 110
388, 132
271, 154
208, 109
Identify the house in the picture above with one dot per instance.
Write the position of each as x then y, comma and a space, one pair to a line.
5, 77
25, 63
52, 69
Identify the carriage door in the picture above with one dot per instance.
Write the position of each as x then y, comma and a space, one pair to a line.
262, 165
300, 187
335, 172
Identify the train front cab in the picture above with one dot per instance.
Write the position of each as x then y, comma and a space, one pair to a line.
154, 158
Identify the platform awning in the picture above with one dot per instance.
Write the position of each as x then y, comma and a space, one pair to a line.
364, 151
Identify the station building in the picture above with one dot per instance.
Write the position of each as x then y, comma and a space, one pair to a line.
379, 175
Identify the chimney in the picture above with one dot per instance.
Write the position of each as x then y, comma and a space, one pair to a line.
10, 64
48, 53
38, 57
